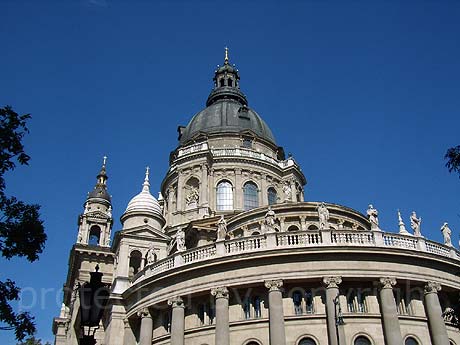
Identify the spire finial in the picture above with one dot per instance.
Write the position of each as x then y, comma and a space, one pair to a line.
104, 161
146, 184
226, 56
147, 172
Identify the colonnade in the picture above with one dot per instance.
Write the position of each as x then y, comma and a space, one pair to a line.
388, 308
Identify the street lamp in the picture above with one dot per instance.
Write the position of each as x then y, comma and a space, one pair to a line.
338, 317
93, 300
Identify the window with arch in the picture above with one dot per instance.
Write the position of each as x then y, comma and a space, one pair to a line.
94, 235
135, 261
362, 340
410, 341
251, 195
307, 341
272, 196
293, 228
252, 343
224, 196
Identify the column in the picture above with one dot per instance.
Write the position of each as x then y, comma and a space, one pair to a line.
293, 191
433, 311
263, 190
180, 191
238, 191
177, 321
275, 312
332, 291
146, 332
391, 327
222, 333
128, 337
204, 201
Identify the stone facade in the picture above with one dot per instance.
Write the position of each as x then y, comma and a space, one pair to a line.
232, 254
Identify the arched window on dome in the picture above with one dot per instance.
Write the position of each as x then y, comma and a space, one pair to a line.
272, 196
411, 341
251, 195
94, 235
224, 196
362, 340
307, 341
135, 261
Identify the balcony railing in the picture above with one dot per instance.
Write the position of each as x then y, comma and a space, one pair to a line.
298, 239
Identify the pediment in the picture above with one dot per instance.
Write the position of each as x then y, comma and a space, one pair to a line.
145, 231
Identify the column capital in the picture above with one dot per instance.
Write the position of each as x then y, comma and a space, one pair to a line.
432, 287
176, 302
273, 285
220, 292
332, 282
387, 282
144, 312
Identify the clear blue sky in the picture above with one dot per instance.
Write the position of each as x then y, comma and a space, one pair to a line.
365, 94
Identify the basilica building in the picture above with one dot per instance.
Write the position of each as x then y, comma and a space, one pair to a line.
230, 253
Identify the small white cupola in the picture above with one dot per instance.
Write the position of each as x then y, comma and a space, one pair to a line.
143, 209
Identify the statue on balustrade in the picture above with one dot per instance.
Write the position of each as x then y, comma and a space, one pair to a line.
373, 216
323, 215
221, 229
446, 233
151, 255
269, 221
415, 223
180, 240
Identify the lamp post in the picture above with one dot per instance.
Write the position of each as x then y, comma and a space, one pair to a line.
338, 317
93, 300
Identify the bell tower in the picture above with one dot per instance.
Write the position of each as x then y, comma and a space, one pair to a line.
95, 223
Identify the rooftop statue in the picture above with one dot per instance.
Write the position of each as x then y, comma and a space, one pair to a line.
373, 216
323, 215
446, 233
221, 229
415, 224
270, 220
180, 240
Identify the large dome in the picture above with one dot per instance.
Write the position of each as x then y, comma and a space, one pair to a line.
227, 110
227, 116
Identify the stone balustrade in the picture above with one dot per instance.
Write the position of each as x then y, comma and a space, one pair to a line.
298, 239
233, 152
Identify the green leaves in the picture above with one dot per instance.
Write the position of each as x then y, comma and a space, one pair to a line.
21, 229
453, 159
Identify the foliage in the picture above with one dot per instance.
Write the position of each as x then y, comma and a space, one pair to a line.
21, 230
453, 159
32, 341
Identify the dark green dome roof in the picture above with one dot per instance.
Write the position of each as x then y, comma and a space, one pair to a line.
227, 116
227, 110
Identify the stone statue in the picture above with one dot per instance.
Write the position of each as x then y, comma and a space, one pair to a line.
269, 221
192, 197
180, 240
323, 215
151, 256
109, 212
446, 232
221, 228
287, 192
415, 224
373, 215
